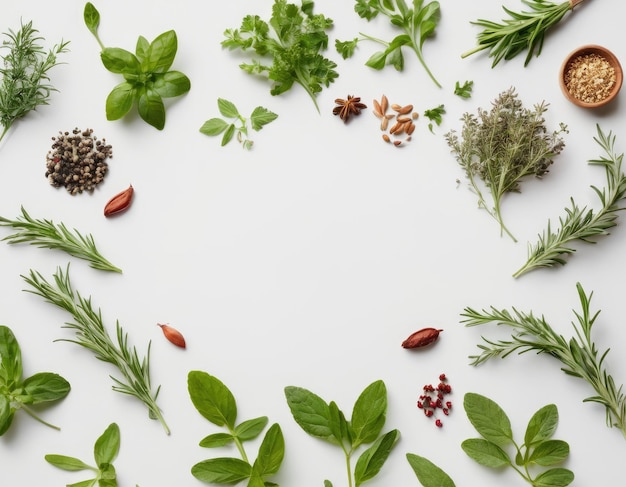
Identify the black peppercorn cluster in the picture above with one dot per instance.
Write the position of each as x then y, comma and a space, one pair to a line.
77, 161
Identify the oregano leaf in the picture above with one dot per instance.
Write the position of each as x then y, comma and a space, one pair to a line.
542, 425
486, 453
227, 108
260, 117
488, 418
310, 412
371, 461
428, 474
214, 126
221, 470
212, 398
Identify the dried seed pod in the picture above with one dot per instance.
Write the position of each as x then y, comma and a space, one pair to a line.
386, 138
384, 104
410, 128
119, 202
377, 109
396, 107
384, 123
403, 119
397, 142
173, 335
421, 338
396, 128
405, 109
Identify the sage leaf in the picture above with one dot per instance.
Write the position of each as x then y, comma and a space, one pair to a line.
271, 452
64, 462
212, 399
213, 126
488, 418
428, 474
216, 440
107, 445
486, 453
45, 387
310, 412
368, 414
260, 117
542, 425
372, 460
227, 108
221, 470
555, 477
250, 429
549, 452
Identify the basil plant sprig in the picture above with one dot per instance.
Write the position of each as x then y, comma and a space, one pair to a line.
537, 450
147, 75
17, 393
216, 403
327, 422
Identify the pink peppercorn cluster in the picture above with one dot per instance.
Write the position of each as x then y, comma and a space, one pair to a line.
433, 399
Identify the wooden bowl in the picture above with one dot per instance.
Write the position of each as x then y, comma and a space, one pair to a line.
580, 90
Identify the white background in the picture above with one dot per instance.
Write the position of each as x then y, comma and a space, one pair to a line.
307, 260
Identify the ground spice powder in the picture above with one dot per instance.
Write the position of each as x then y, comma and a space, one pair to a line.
590, 78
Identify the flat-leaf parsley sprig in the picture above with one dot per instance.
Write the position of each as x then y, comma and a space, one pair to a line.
47, 234
286, 49
582, 224
579, 355
91, 334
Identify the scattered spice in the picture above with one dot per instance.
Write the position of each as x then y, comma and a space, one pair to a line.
421, 338
173, 335
403, 125
77, 161
433, 399
120, 202
348, 107
590, 78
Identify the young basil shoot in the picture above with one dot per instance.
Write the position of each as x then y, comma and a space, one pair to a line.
327, 422
147, 75
236, 123
537, 449
286, 49
18, 393
24, 79
216, 403
416, 24
105, 450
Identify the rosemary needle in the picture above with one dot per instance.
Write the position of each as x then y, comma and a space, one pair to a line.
47, 234
90, 333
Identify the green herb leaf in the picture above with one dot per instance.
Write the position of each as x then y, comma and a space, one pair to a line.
228, 134
271, 452
70, 464
216, 440
160, 54
542, 425
6, 414
151, 108
227, 108
107, 445
212, 398
465, 90
120, 100
91, 483
221, 470
311, 412
170, 84
371, 461
45, 387
91, 17
368, 415
260, 117
120, 61
435, 115
346, 48
549, 452
488, 418
10, 358
555, 477
428, 474
250, 429
486, 453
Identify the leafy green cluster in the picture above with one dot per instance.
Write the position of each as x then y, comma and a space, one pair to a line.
582, 224
24, 75
215, 402
147, 75
287, 48
503, 145
237, 123
327, 422
537, 450
523, 30
47, 234
91, 334
579, 355
417, 23
18, 393
105, 450
435, 116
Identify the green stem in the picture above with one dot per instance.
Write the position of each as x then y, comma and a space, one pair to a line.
33, 415
348, 467
4, 131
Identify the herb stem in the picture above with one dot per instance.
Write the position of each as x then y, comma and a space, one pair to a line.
32, 414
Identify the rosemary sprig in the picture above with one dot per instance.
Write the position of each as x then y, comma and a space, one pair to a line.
582, 223
523, 30
47, 234
90, 333
24, 71
579, 355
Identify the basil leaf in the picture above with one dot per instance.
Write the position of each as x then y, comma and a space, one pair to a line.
84, 483
151, 108
170, 84
488, 418
261, 116
221, 470
10, 358
310, 412
120, 101
428, 474
107, 446
555, 477
271, 452
486, 453
120, 61
251, 428
212, 398
214, 126
368, 414
549, 452
161, 53
372, 460
91, 17
6, 414
46, 386
542, 425
67, 463
227, 108
216, 440
141, 49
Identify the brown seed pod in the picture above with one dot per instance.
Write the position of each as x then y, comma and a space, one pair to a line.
119, 202
173, 335
421, 338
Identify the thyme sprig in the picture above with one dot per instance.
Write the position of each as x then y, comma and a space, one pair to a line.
46, 234
582, 223
91, 334
579, 355
524, 30
24, 71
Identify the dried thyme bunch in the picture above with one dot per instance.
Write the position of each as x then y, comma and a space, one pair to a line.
24, 71
503, 145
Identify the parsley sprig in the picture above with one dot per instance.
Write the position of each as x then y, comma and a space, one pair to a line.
287, 49
579, 354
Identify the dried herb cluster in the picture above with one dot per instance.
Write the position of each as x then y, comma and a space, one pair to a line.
77, 161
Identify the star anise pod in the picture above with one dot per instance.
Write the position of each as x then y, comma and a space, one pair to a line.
346, 108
